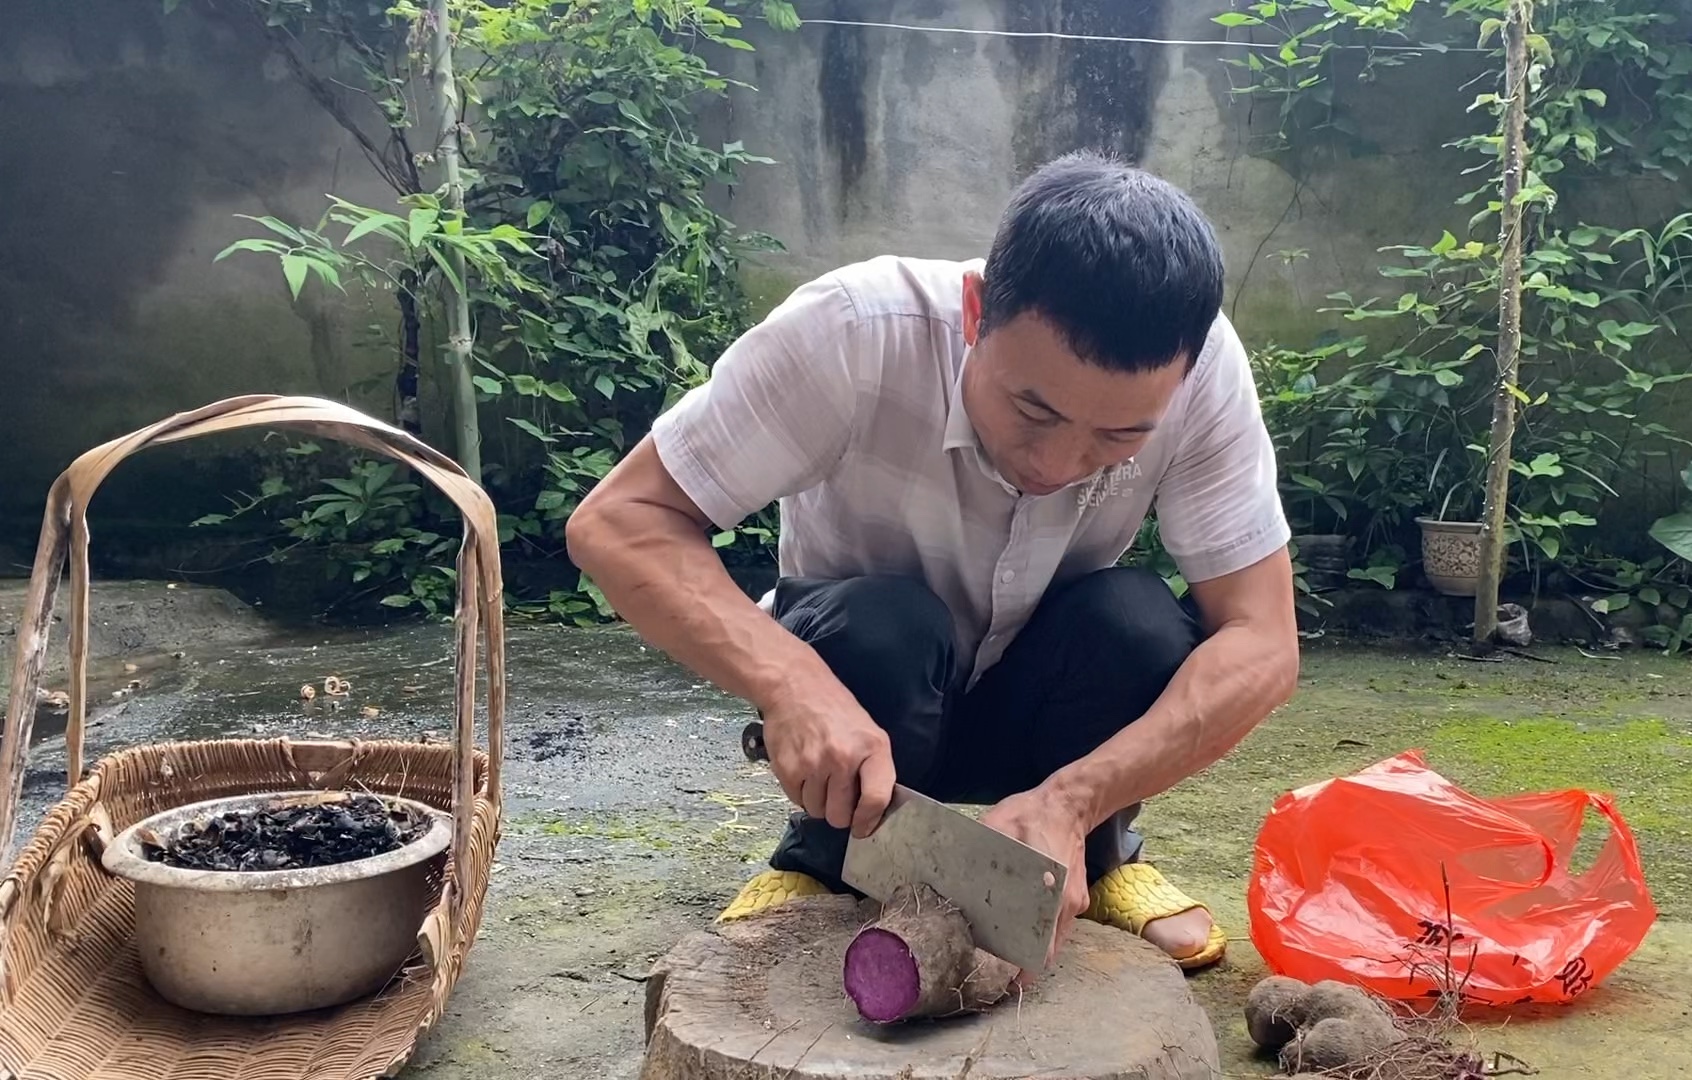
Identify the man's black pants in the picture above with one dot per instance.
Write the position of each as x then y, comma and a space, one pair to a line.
1095, 655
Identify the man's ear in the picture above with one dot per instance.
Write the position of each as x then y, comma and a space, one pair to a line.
972, 295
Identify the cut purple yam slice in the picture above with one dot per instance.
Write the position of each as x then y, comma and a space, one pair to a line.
920, 960
881, 976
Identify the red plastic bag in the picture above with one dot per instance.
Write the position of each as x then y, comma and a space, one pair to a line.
1350, 876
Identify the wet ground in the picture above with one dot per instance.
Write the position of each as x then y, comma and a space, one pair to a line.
632, 815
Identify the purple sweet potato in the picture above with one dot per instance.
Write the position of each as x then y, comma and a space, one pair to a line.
920, 960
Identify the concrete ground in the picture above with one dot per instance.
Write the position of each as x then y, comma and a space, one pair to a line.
632, 816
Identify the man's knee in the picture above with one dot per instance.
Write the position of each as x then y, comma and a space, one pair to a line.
1128, 613
869, 622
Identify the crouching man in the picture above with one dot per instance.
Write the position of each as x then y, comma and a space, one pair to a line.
962, 452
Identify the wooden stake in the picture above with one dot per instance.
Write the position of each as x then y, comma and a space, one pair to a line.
30, 658
1509, 323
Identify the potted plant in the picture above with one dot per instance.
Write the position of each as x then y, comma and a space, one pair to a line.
1451, 537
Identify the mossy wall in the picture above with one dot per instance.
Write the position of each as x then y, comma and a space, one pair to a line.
900, 140
909, 138
132, 139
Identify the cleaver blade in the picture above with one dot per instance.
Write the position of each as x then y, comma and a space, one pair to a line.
997, 881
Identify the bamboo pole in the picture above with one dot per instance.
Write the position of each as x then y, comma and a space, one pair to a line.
1509, 322
455, 297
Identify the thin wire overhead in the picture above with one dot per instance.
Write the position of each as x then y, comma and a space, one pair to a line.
1214, 43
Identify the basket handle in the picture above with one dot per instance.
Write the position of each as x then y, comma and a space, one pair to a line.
64, 536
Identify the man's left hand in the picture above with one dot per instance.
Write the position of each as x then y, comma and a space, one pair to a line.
1052, 824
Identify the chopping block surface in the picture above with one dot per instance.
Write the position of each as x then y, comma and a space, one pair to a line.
761, 999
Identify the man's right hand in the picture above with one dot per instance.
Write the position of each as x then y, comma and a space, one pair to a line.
831, 759
643, 541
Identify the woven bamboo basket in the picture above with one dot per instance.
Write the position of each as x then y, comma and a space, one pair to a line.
74, 1003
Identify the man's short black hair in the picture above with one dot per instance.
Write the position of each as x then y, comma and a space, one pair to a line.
1123, 265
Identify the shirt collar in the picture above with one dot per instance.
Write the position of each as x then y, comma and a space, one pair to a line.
960, 433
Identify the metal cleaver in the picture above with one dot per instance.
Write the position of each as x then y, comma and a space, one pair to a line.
997, 882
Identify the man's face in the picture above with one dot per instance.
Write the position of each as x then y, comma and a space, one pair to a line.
1045, 417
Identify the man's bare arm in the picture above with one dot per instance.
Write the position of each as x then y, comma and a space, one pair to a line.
1245, 669
642, 541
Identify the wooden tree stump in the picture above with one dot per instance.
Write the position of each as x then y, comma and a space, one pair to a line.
762, 999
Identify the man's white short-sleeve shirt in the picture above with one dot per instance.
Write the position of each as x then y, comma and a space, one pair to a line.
845, 405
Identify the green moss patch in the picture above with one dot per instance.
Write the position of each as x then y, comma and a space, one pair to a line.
655, 833
1645, 763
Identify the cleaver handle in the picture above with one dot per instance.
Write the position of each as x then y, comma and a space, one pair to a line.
752, 742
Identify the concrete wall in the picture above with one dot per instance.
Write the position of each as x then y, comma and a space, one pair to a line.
910, 141
129, 140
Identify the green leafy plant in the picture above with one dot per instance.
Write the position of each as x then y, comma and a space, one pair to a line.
371, 526
1659, 589
1352, 433
426, 235
601, 281
376, 61
583, 606
1373, 431
591, 144
1305, 37
755, 539
1674, 531
1383, 568
1148, 552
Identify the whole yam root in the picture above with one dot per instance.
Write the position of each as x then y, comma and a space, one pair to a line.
1329, 999
1336, 1042
1314, 1028
920, 960
1273, 1009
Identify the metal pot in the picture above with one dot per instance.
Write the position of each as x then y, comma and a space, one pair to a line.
278, 941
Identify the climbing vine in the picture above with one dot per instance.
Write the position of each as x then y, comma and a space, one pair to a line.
1381, 427
1301, 41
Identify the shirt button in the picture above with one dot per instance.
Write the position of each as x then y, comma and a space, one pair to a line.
1008, 576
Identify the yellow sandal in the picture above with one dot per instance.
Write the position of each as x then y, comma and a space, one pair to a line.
770, 889
1133, 895
1128, 898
